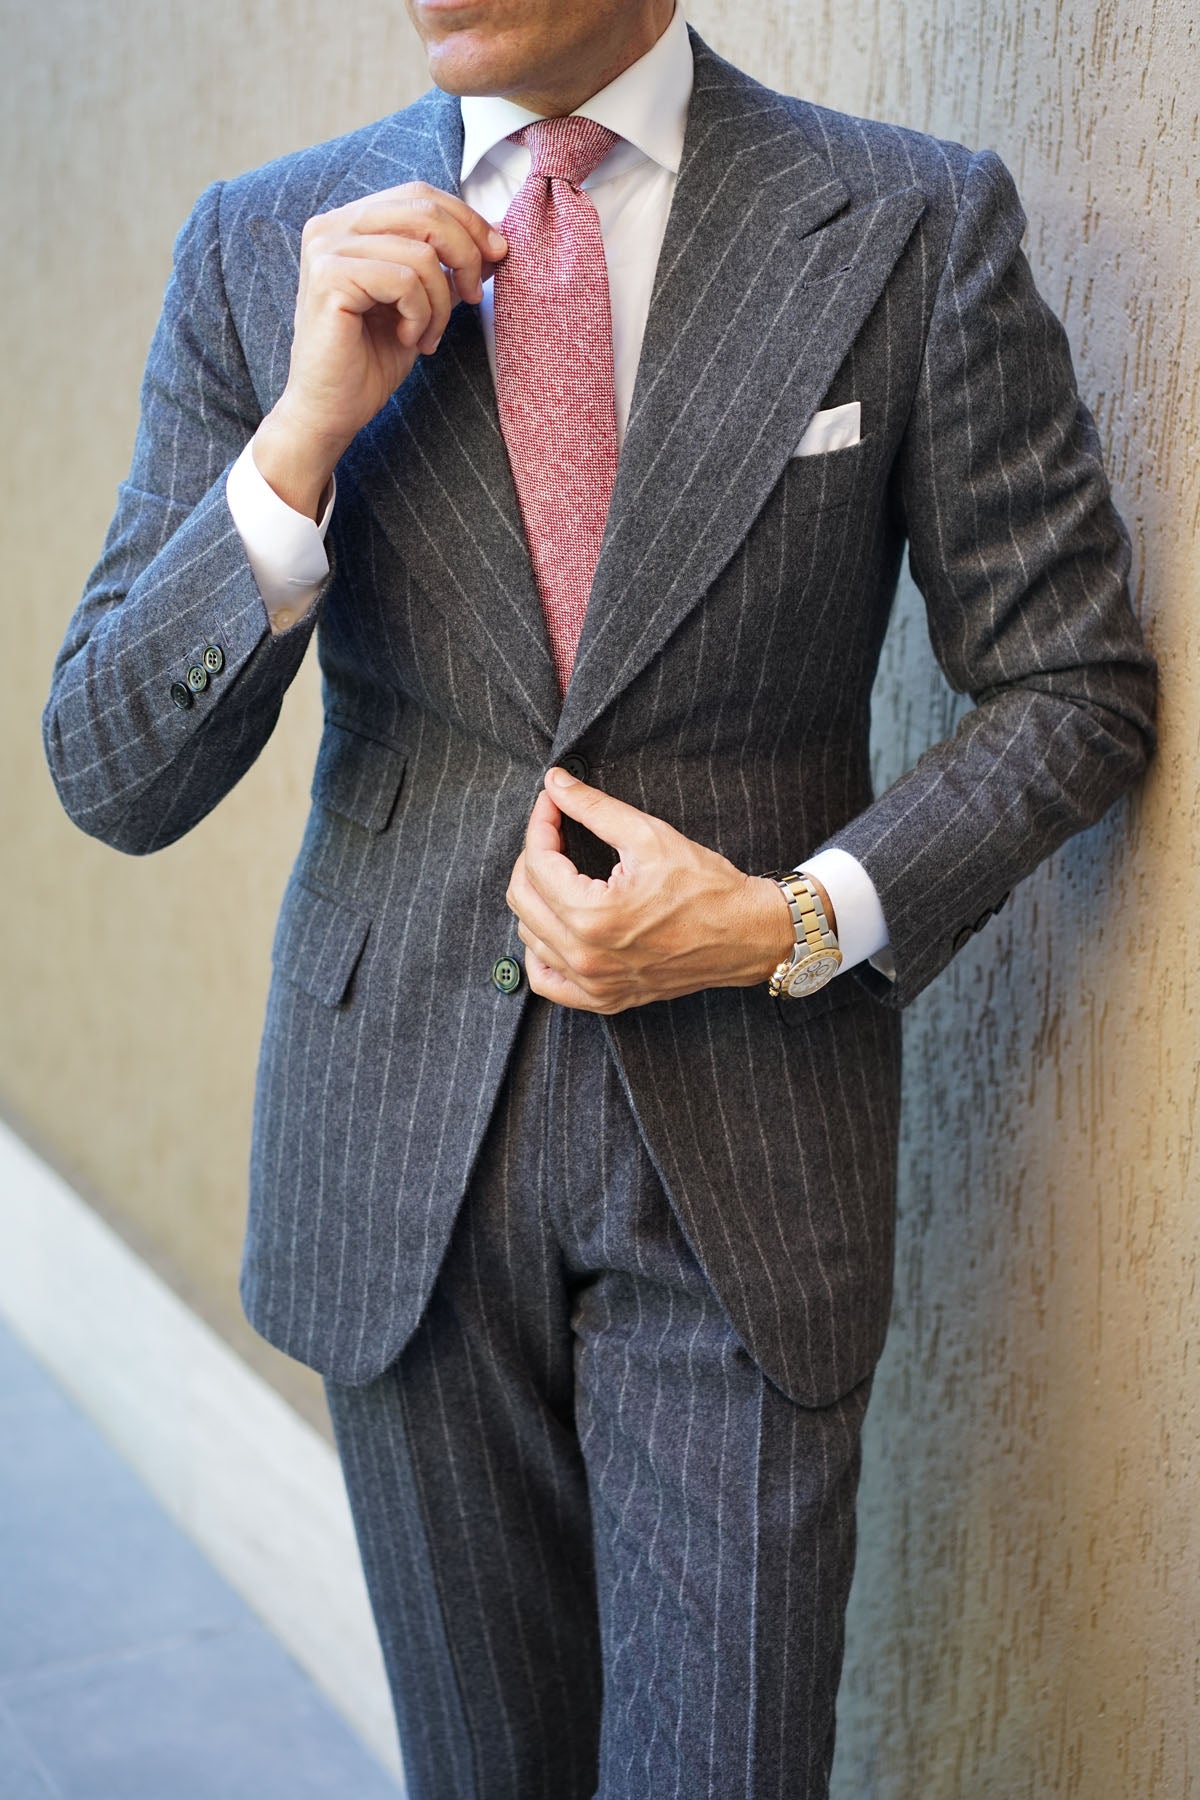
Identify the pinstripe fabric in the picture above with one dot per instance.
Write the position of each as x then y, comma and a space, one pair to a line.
600, 1477
723, 681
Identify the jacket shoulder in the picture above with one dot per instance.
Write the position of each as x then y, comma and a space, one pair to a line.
875, 157
871, 156
294, 186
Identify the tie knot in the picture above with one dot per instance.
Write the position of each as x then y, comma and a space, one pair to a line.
566, 149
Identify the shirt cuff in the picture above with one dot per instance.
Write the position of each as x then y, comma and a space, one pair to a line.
285, 550
861, 933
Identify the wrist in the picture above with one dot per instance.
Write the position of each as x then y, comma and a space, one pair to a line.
826, 902
772, 934
297, 465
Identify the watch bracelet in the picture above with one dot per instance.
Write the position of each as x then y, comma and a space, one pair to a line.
810, 923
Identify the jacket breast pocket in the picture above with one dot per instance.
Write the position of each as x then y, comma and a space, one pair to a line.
827, 480
357, 776
318, 942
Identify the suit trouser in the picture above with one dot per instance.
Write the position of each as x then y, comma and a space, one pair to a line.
605, 1555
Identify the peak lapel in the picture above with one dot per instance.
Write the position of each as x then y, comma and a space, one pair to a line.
765, 277
432, 464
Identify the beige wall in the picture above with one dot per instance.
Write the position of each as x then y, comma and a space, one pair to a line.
1026, 1616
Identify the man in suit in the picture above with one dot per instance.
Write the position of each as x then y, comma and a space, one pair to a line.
575, 1130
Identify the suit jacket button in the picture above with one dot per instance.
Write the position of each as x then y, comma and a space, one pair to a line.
181, 695
506, 974
962, 937
197, 678
575, 765
213, 659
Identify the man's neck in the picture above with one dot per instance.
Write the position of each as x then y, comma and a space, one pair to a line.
569, 80
566, 97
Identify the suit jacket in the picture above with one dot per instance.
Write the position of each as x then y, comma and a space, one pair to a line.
723, 682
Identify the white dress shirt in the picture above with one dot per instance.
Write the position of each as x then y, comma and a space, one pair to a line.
631, 189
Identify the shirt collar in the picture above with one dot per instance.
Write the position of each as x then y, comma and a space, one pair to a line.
646, 105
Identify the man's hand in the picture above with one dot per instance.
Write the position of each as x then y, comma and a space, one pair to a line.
378, 281
672, 917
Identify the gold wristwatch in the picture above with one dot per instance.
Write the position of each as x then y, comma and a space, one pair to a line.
816, 958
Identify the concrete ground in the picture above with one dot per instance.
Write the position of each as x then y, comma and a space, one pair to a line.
129, 1669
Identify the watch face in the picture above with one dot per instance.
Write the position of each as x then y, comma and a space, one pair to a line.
812, 974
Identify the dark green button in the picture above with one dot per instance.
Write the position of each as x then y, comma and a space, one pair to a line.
213, 659
575, 765
197, 678
506, 974
181, 695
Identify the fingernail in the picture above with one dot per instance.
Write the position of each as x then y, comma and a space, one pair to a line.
560, 778
497, 241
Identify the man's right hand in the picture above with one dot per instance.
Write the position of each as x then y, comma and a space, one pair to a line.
378, 281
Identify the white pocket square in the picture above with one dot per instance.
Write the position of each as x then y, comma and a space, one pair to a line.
836, 429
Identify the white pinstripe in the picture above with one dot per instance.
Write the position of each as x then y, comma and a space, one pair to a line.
687, 1547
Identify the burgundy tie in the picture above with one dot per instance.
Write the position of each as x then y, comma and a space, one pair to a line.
554, 370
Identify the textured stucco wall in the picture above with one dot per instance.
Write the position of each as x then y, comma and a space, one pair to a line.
1026, 1617
1026, 1620
134, 989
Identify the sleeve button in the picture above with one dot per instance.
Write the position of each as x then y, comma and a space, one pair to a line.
181, 695
197, 678
213, 659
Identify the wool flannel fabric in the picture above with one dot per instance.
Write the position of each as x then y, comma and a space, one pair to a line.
554, 370
608, 1559
722, 681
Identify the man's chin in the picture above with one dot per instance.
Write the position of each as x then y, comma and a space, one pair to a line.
459, 67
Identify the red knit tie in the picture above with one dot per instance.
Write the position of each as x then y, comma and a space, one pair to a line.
554, 370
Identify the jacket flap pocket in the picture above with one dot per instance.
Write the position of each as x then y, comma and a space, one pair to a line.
357, 776
318, 942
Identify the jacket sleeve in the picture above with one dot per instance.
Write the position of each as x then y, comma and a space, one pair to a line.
131, 764
1023, 565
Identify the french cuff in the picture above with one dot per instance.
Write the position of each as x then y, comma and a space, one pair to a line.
861, 932
285, 550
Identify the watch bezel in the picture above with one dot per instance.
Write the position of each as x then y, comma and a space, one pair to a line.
810, 974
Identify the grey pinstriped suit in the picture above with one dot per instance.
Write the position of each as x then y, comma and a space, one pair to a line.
722, 682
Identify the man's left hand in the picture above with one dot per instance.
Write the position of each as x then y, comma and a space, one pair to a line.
671, 918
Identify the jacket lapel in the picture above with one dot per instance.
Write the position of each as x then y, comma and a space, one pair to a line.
765, 277
764, 280
432, 465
